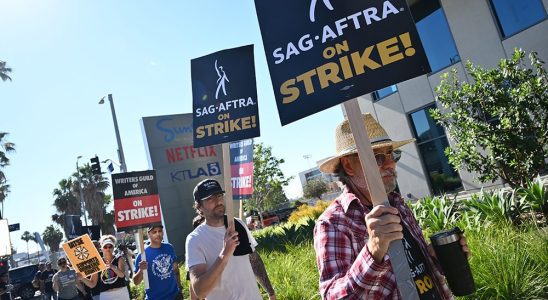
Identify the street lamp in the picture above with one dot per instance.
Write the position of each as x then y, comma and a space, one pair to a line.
82, 204
307, 157
110, 168
123, 167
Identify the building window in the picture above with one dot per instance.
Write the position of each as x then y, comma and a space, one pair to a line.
434, 34
379, 94
432, 142
514, 16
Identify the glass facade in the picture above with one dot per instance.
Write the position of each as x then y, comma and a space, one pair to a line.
514, 16
378, 95
434, 33
432, 141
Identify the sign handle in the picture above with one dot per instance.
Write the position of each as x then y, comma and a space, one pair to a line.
143, 256
398, 259
227, 176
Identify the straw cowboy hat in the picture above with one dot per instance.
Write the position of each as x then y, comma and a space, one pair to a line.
346, 145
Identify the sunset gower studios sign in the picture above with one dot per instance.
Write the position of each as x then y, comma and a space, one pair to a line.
322, 53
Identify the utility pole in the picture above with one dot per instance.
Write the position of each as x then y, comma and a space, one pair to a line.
123, 167
82, 203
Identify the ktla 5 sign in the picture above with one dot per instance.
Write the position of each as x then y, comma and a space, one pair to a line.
136, 200
324, 52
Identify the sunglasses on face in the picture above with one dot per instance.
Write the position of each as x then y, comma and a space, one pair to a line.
381, 158
108, 246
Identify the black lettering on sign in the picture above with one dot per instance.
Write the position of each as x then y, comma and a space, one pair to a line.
75, 243
89, 266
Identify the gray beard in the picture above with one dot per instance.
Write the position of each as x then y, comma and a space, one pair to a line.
360, 182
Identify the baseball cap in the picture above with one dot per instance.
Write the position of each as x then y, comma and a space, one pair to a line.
107, 241
207, 188
152, 226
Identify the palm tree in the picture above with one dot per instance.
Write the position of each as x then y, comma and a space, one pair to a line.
93, 188
27, 236
5, 147
4, 71
107, 226
65, 202
52, 237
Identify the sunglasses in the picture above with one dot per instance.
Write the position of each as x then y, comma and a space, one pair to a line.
381, 158
108, 246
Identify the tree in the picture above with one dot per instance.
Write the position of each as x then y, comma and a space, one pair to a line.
499, 122
268, 180
107, 226
52, 237
93, 189
27, 236
65, 202
4, 70
5, 148
315, 188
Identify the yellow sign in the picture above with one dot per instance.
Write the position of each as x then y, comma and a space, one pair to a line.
83, 255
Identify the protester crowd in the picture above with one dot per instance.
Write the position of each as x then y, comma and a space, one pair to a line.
351, 240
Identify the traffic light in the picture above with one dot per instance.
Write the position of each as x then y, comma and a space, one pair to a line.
95, 166
4, 266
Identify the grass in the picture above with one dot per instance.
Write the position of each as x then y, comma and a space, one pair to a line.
510, 263
293, 273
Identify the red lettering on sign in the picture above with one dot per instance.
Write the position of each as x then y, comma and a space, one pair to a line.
177, 154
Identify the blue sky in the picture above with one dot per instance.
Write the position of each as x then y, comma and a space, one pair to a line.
66, 55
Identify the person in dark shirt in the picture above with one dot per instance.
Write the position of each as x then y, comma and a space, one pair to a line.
37, 280
46, 277
5, 287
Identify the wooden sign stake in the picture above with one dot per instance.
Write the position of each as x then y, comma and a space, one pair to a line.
141, 242
398, 259
227, 176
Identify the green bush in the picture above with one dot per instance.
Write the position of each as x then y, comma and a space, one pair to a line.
312, 212
435, 213
496, 207
279, 236
535, 197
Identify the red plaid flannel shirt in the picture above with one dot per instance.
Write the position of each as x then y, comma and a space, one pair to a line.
347, 269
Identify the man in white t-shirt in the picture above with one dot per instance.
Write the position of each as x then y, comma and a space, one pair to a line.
222, 262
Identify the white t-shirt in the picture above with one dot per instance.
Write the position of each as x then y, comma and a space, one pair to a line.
203, 246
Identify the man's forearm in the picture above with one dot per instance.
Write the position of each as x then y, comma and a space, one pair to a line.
177, 274
260, 272
138, 277
204, 283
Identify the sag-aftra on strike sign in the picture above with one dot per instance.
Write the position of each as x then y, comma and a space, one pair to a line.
136, 200
323, 52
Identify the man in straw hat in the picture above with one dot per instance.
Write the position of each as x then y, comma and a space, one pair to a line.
351, 237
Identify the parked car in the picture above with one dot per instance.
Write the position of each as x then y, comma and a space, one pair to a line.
21, 279
254, 222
